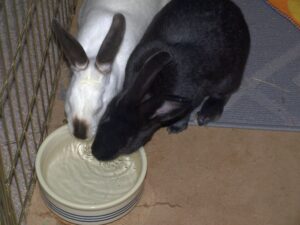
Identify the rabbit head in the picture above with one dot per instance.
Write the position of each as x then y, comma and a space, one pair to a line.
133, 116
85, 101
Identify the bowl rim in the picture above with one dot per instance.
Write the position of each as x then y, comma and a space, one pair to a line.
73, 205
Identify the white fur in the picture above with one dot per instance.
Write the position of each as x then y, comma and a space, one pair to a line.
90, 91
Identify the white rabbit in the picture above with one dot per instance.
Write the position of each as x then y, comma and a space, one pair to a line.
108, 32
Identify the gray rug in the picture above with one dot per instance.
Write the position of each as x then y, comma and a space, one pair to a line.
269, 97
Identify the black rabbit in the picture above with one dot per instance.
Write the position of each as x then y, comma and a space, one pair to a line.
194, 50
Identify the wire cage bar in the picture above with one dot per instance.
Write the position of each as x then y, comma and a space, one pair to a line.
29, 74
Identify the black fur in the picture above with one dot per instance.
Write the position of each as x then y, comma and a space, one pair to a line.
193, 50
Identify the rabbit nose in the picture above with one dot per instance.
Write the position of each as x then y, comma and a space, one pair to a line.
80, 128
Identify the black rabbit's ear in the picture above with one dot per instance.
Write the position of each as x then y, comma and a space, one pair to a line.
173, 107
149, 71
73, 51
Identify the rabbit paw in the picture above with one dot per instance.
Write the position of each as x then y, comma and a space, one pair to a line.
204, 119
211, 110
177, 127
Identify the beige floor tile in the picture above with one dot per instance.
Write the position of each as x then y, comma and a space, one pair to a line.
214, 176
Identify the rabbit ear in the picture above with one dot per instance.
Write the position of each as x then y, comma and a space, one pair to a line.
172, 107
111, 44
71, 47
149, 71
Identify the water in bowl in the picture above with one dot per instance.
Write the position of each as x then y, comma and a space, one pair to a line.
77, 176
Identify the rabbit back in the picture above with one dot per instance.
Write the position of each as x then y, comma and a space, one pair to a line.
95, 19
209, 43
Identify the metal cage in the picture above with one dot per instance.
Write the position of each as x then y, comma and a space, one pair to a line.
29, 73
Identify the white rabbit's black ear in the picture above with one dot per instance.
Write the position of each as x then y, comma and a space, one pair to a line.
111, 44
173, 107
73, 51
146, 76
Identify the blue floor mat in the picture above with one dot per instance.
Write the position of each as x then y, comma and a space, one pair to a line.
269, 97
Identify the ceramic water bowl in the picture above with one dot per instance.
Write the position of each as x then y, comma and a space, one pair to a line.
82, 190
